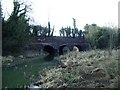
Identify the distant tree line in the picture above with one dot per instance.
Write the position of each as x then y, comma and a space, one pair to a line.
71, 32
102, 37
99, 37
68, 32
38, 30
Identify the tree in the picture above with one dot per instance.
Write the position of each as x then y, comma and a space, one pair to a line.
71, 32
16, 29
52, 31
35, 30
86, 28
1, 41
44, 31
118, 36
101, 37
74, 25
68, 32
49, 29
62, 32
90, 31
80, 33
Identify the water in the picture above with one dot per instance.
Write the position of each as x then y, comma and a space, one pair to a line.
25, 73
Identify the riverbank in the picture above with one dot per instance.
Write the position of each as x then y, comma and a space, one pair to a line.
10, 61
89, 69
23, 70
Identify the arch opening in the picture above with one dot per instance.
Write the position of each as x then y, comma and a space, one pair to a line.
63, 49
77, 48
49, 49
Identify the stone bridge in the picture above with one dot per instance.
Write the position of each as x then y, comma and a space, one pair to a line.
55, 44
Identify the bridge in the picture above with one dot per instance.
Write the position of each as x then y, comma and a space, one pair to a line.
55, 44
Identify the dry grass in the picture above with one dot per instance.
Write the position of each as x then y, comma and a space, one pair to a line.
90, 69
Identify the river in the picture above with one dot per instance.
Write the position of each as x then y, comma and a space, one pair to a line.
25, 73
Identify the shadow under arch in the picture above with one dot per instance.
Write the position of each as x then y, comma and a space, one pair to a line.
51, 52
61, 49
49, 49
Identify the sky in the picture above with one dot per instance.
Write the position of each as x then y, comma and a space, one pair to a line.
61, 12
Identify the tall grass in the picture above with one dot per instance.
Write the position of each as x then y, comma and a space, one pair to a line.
95, 68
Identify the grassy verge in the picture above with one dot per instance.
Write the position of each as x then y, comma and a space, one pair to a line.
90, 69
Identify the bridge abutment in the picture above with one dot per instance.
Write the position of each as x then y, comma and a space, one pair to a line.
57, 52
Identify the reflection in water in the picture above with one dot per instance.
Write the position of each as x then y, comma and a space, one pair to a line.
25, 73
49, 57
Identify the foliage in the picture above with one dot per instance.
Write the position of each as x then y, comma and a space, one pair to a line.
39, 30
83, 69
15, 31
71, 32
101, 37
119, 36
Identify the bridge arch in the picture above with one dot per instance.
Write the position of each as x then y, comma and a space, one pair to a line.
49, 49
79, 47
75, 48
63, 48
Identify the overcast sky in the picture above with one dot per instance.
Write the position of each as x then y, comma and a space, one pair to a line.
61, 12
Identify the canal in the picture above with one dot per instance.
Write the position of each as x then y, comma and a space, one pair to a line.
25, 73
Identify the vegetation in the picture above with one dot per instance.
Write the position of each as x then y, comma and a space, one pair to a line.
95, 68
15, 38
19, 72
71, 32
88, 69
118, 36
101, 37
15, 30
39, 30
